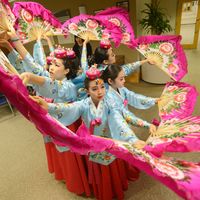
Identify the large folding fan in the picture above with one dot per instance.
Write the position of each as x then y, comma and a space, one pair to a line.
33, 21
180, 176
7, 18
6, 65
120, 18
92, 27
177, 101
166, 52
176, 135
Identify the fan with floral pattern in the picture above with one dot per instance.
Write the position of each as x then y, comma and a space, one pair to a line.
166, 52
177, 101
88, 26
7, 18
176, 135
34, 21
120, 18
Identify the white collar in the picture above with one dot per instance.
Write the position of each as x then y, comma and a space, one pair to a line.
96, 111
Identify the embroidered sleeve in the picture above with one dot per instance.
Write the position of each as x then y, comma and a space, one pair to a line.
64, 90
31, 66
135, 121
66, 113
131, 67
119, 128
38, 53
139, 101
15, 60
84, 61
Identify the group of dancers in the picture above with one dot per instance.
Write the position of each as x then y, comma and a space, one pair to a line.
75, 90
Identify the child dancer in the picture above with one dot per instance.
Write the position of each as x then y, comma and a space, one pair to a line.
54, 84
108, 179
114, 75
104, 56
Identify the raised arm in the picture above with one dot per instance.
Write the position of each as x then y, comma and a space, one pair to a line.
139, 101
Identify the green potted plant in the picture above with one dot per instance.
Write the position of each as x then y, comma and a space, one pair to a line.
155, 21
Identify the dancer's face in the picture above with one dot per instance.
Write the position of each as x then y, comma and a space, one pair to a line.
111, 57
119, 81
57, 69
96, 90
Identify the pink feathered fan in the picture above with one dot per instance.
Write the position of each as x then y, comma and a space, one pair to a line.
92, 27
7, 18
34, 21
176, 135
177, 101
166, 52
120, 18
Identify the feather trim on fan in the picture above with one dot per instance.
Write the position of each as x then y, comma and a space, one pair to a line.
35, 21
120, 17
37, 10
7, 18
177, 101
88, 25
176, 135
175, 63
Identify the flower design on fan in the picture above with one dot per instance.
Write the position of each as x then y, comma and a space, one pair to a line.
172, 68
91, 24
168, 169
26, 16
126, 37
115, 21
22, 35
166, 48
171, 88
191, 128
180, 98
105, 36
143, 46
73, 27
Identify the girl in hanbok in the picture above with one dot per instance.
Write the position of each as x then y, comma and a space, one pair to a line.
55, 84
104, 56
100, 116
114, 75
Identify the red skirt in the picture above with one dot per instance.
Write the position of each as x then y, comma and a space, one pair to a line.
68, 166
110, 181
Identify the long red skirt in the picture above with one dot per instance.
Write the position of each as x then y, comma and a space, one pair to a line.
110, 181
68, 166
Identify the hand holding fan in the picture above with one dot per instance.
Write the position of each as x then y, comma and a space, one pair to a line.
176, 135
7, 18
6, 65
34, 21
166, 52
177, 101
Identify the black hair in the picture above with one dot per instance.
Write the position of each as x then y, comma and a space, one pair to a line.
73, 65
99, 56
111, 72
